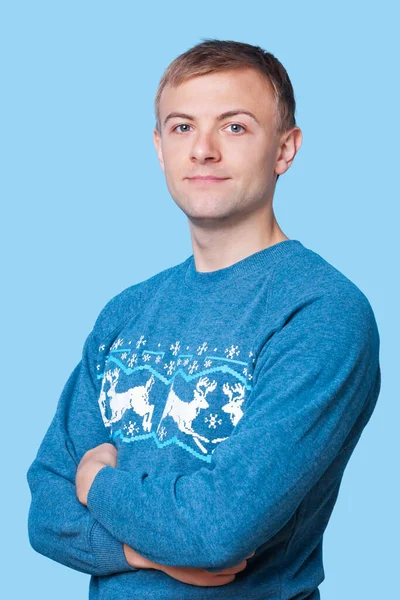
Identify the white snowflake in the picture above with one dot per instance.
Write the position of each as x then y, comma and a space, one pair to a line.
232, 351
98, 367
178, 362
132, 360
193, 367
250, 376
102, 347
130, 342
146, 357
175, 348
170, 367
245, 371
207, 363
117, 344
131, 428
124, 355
250, 353
202, 348
212, 420
158, 359
140, 341
185, 362
163, 433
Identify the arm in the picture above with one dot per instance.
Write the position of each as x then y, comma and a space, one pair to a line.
59, 526
314, 378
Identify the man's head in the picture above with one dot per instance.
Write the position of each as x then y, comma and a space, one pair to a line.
210, 79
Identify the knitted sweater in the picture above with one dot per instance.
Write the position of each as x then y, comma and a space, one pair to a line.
235, 399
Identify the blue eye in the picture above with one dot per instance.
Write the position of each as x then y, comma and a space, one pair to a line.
186, 125
236, 125
182, 125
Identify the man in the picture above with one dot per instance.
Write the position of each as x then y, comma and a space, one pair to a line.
198, 448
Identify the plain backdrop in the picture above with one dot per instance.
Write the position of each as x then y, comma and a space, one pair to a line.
86, 213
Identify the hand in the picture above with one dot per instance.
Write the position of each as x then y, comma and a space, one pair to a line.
193, 576
91, 463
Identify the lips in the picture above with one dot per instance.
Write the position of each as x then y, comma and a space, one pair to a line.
207, 178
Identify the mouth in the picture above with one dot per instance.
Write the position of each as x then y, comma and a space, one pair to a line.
207, 179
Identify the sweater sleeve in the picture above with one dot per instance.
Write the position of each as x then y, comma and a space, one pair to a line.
315, 375
59, 526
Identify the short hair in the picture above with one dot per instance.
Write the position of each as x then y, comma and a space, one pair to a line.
213, 55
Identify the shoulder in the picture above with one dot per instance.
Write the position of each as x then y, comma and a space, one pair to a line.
126, 303
312, 288
307, 275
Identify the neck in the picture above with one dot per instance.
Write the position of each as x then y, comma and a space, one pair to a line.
216, 247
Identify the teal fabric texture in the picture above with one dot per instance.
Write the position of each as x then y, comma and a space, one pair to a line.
235, 399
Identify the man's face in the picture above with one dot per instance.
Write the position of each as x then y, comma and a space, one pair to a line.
237, 147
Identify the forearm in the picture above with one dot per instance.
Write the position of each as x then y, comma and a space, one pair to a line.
62, 529
59, 526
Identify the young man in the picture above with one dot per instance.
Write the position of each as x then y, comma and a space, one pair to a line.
218, 402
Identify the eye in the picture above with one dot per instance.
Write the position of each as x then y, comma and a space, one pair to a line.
186, 125
181, 125
236, 125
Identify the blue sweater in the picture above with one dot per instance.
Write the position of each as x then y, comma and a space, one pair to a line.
235, 399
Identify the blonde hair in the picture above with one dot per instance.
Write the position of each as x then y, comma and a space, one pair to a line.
213, 55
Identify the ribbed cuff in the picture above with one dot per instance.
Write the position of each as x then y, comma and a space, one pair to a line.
109, 551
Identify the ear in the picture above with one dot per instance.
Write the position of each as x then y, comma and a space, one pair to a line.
290, 143
157, 143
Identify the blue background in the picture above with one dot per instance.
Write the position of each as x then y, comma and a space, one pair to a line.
81, 186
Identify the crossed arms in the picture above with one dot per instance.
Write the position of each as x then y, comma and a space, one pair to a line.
315, 377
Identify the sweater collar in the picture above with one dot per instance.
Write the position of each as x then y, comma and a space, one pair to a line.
255, 264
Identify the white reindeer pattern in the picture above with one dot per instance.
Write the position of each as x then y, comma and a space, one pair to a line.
233, 408
136, 398
184, 413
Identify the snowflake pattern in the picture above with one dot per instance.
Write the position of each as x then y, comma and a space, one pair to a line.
212, 421
170, 367
140, 341
202, 348
132, 360
131, 428
175, 348
232, 351
193, 367
117, 344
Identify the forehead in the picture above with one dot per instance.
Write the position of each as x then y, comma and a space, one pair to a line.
212, 93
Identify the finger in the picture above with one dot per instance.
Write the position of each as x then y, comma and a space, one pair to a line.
235, 569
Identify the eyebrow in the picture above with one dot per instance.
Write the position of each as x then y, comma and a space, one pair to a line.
225, 115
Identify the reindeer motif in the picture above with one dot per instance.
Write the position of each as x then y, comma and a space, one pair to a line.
184, 413
233, 408
136, 398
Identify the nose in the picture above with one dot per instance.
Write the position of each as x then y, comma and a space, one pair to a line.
205, 148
